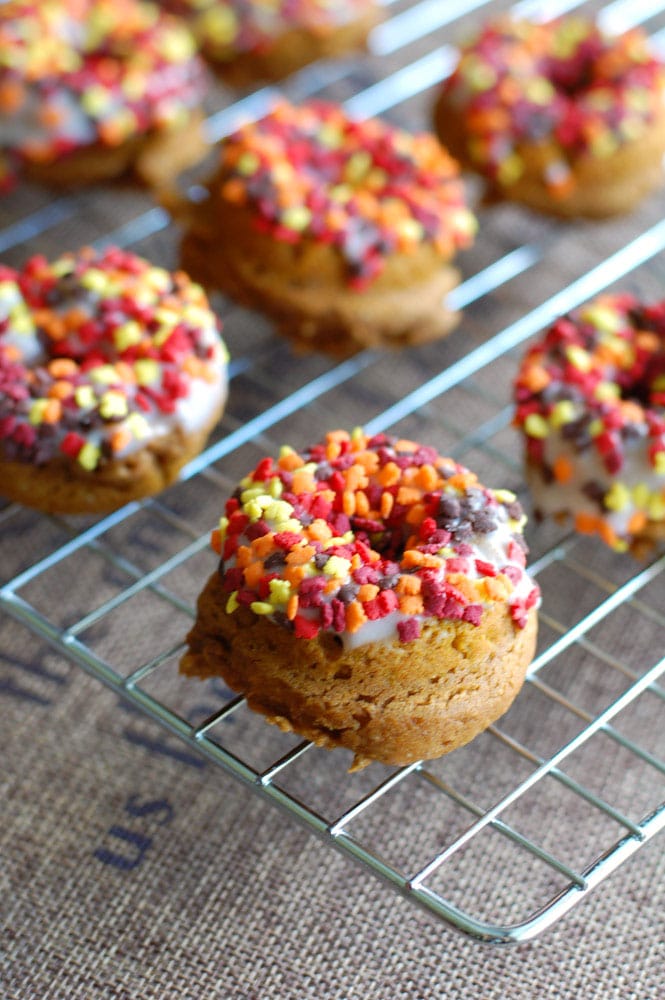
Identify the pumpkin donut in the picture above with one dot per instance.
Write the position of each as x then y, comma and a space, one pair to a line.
90, 89
589, 403
558, 116
371, 595
342, 232
112, 375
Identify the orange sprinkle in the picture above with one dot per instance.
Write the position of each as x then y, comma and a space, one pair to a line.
253, 573
120, 439
295, 575
389, 475
411, 604
586, 524
387, 501
12, 95
349, 503
535, 378
409, 584
292, 607
355, 478
355, 616
367, 592
412, 557
301, 555
61, 390
356, 561
637, 522
462, 480
233, 190
369, 461
243, 556
61, 367
408, 495
404, 445
416, 514
215, 537
333, 448
362, 504
262, 546
303, 481
52, 411
427, 478
290, 461
608, 534
319, 531
563, 469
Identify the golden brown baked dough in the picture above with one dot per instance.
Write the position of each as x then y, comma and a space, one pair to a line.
371, 594
388, 701
303, 287
63, 487
112, 375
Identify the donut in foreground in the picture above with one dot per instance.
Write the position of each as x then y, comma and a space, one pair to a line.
90, 89
112, 375
250, 40
559, 116
342, 232
371, 595
589, 402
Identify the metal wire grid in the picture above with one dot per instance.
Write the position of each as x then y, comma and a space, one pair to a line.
357, 815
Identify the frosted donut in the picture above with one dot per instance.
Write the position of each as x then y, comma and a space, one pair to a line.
371, 595
112, 374
559, 116
342, 232
249, 40
589, 402
92, 88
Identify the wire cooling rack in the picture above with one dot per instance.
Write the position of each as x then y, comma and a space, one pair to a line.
504, 836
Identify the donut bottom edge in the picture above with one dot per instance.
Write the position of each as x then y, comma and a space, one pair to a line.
61, 486
310, 303
155, 158
390, 702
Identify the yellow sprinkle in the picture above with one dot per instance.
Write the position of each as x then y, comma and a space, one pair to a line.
146, 371
232, 603
536, 426
37, 411
127, 334
659, 463
596, 427
505, 496
656, 508
138, 426
88, 456
280, 591
261, 608
113, 404
606, 391
563, 412
618, 497
105, 374
338, 567
579, 358
641, 495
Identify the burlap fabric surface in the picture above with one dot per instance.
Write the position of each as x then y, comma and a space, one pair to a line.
132, 868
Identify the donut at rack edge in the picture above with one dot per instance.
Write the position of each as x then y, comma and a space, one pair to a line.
559, 116
112, 375
342, 232
91, 89
251, 40
589, 402
371, 595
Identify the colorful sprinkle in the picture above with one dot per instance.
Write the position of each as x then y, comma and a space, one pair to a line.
447, 547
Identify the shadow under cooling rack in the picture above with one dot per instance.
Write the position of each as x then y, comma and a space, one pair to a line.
502, 837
